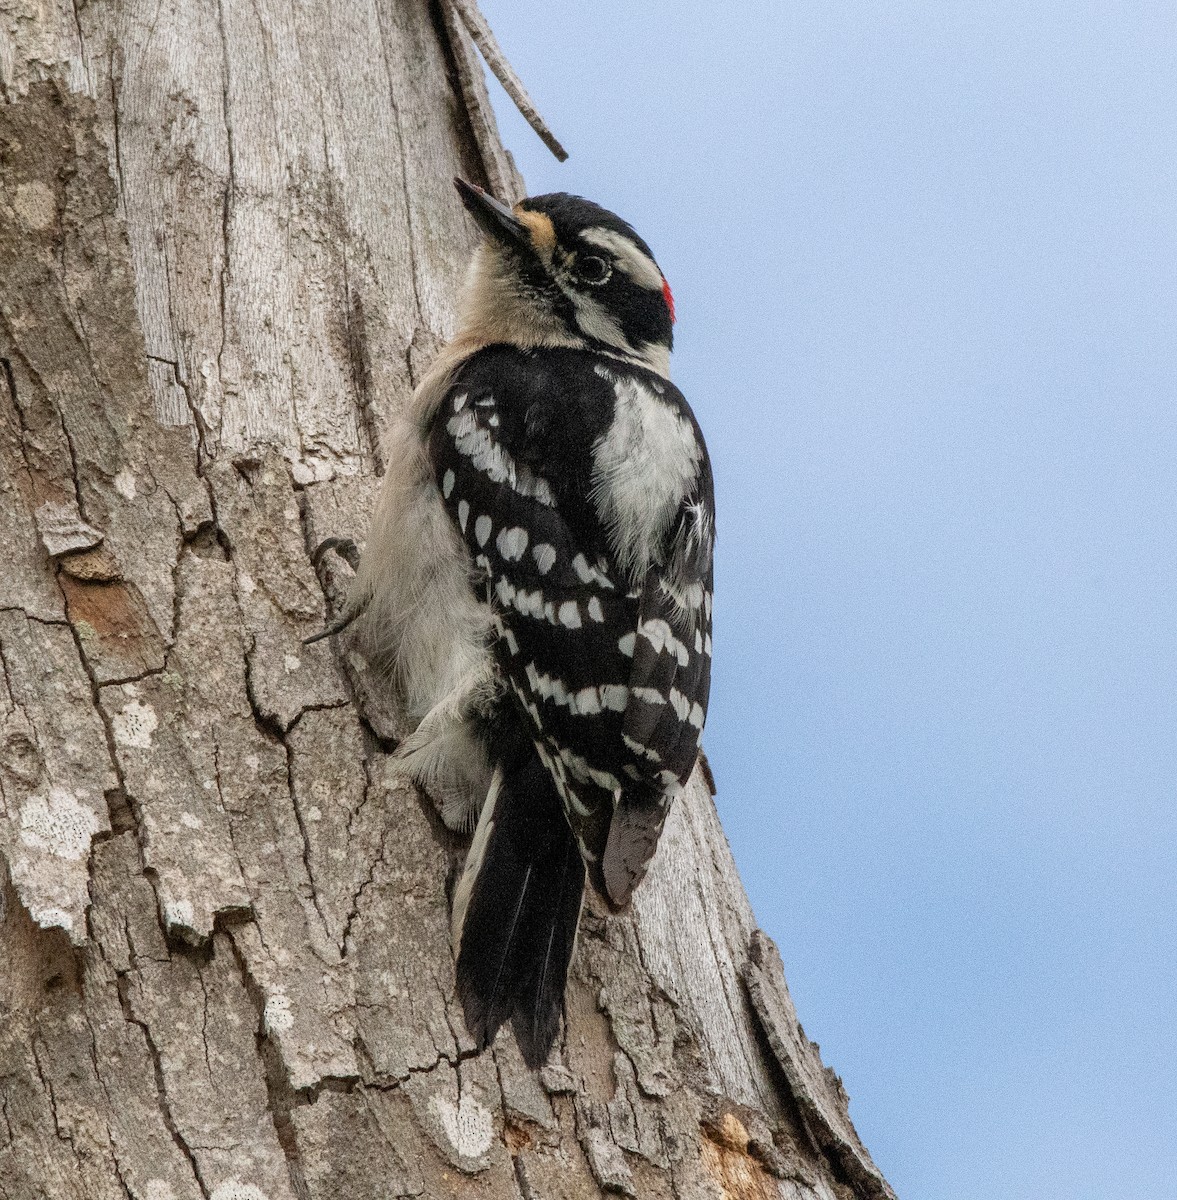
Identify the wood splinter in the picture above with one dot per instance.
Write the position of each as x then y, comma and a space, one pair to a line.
482, 36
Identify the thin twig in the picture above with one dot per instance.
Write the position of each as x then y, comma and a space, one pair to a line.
504, 180
488, 47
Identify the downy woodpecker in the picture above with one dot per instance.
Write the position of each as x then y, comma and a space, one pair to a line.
538, 578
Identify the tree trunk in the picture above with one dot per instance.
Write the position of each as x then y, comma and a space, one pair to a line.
228, 246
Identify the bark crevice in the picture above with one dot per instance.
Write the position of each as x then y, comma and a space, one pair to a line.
161, 1093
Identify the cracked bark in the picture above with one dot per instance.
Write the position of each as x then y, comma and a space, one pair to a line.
229, 245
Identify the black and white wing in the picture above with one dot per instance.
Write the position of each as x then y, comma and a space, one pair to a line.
611, 665
513, 469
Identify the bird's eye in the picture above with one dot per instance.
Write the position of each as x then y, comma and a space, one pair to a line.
591, 269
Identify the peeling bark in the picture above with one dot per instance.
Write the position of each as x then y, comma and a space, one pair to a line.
228, 247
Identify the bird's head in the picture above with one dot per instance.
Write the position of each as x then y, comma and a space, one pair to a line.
559, 270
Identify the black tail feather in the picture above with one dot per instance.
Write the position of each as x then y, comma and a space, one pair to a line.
521, 913
537, 1014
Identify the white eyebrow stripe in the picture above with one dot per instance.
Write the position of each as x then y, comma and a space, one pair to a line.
638, 266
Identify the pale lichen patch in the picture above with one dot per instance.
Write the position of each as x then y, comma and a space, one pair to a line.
49, 917
468, 1124
58, 824
124, 484
179, 914
135, 724
234, 1189
276, 1016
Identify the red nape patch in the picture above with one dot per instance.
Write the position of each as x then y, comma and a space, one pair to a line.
669, 298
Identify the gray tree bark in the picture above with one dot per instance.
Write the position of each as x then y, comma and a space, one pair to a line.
228, 246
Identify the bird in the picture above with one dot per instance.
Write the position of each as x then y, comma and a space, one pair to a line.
537, 582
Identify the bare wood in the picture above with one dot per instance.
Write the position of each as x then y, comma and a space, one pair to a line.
229, 248
502, 176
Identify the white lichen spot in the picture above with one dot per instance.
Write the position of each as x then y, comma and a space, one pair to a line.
135, 725
179, 913
253, 762
276, 1016
245, 583
58, 824
52, 918
190, 820
124, 484
158, 1189
234, 1189
35, 204
291, 662
302, 473
468, 1124
314, 813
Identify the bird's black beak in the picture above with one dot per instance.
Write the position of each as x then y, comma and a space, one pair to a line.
495, 218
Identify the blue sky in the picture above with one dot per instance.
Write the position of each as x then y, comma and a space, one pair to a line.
925, 264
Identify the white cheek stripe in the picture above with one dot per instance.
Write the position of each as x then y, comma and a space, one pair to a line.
598, 322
